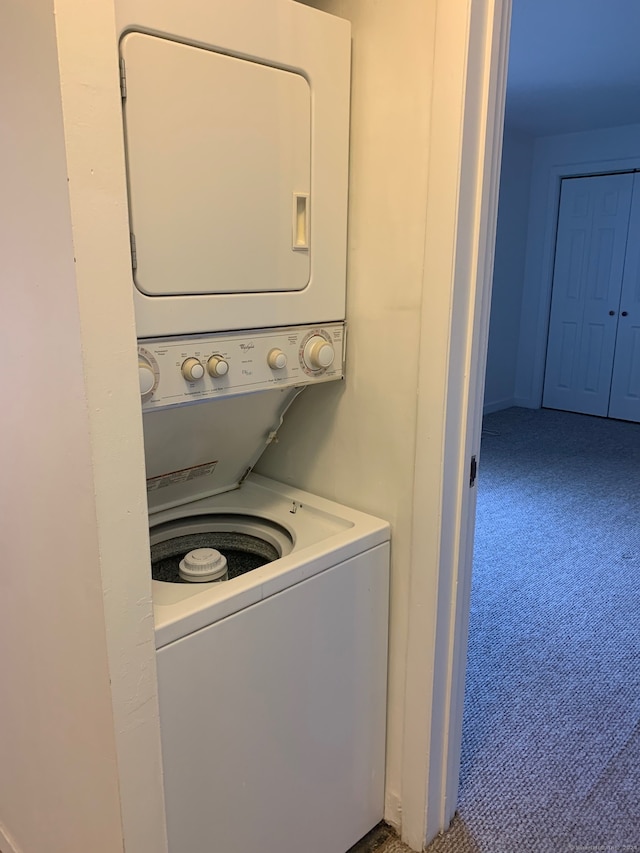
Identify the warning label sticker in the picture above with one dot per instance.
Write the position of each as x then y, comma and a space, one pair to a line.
182, 476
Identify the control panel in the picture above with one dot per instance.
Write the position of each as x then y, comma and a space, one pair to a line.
179, 370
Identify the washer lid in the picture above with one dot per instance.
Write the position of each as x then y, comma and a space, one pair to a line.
209, 447
218, 155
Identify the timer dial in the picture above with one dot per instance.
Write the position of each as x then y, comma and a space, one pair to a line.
318, 353
147, 378
192, 370
148, 374
217, 366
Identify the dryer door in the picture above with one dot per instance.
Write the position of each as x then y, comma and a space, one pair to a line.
218, 158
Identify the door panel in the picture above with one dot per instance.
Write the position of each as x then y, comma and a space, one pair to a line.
568, 336
625, 382
593, 223
219, 169
596, 341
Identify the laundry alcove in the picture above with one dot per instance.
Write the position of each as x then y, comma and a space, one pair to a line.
593, 348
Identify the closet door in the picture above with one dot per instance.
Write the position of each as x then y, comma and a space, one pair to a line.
625, 382
593, 223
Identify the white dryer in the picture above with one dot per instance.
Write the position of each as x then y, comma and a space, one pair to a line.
236, 123
272, 684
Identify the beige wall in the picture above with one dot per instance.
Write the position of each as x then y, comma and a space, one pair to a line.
397, 438
79, 739
355, 443
59, 782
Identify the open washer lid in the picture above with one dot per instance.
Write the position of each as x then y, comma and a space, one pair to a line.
210, 447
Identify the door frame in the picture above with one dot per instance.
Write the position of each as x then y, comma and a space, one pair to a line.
467, 115
468, 96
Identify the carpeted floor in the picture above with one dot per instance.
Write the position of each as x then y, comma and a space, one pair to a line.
551, 741
551, 744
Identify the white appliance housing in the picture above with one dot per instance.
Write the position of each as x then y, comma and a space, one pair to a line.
236, 118
272, 686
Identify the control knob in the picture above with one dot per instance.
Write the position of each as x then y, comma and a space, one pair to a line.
147, 378
277, 359
192, 370
318, 353
217, 366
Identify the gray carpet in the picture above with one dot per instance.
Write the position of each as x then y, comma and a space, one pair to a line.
551, 740
551, 744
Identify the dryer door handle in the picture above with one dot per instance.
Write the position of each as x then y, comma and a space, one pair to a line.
300, 240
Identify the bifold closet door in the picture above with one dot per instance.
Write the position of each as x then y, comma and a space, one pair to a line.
625, 382
593, 224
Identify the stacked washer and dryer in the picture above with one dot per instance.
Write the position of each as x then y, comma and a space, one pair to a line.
270, 604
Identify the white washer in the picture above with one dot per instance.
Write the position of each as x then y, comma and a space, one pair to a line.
272, 684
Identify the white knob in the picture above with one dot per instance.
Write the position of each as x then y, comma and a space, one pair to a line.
147, 378
277, 359
217, 366
192, 370
318, 353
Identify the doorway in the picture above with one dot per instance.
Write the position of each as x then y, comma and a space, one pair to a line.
533, 308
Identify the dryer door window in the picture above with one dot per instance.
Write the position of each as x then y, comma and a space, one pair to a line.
218, 158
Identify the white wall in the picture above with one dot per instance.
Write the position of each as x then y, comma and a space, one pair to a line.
79, 738
508, 277
355, 442
396, 438
593, 152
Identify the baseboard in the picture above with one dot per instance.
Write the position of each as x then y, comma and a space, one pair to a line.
526, 403
6, 843
498, 406
392, 810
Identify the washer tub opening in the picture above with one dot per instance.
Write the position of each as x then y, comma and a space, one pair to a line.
247, 542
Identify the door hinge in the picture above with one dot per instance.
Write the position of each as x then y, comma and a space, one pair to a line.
123, 80
473, 471
134, 255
